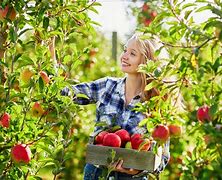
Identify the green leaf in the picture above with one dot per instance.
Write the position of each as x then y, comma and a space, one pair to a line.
34, 178
96, 4
76, 64
143, 122
41, 85
45, 148
45, 22
217, 64
188, 5
187, 13
82, 96
12, 35
93, 10
66, 59
96, 23
217, 24
217, 11
24, 61
151, 85
203, 8
214, 109
68, 156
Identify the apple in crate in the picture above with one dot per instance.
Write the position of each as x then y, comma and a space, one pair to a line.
99, 137
139, 143
111, 139
124, 136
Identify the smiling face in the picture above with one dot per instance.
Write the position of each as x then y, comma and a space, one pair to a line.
131, 57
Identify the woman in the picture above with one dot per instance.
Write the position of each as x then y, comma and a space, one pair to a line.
115, 99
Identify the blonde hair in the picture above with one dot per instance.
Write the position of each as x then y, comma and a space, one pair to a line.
147, 50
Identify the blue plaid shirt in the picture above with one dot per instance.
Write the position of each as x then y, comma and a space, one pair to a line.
109, 95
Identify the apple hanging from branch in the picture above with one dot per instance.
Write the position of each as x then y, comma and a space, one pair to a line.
21, 153
175, 130
5, 120
37, 109
161, 133
203, 113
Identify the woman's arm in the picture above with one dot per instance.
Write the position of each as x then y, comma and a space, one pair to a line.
93, 90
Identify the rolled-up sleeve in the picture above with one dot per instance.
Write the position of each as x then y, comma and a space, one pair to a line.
91, 90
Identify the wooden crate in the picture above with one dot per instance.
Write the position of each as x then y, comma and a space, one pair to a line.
141, 160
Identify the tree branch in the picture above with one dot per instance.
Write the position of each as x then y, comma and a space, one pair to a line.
87, 7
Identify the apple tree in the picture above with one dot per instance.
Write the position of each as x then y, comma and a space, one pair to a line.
42, 43
189, 37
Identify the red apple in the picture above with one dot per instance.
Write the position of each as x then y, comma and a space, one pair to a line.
161, 133
8, 12
136, 140
112, 139
139, 143
147, 22
21, 153
203, 113
175, 130
37, 109
145, 7
99, 137
44, 77
124, 136
153, 14
26, 75
145, 145
5, 120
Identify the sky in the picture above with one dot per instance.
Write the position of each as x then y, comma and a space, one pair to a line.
113, 17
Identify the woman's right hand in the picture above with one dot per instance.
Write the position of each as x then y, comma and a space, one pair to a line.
117, 166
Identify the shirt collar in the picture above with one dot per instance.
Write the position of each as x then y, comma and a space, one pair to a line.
120, 89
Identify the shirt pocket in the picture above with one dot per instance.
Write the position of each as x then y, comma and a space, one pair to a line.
107, 114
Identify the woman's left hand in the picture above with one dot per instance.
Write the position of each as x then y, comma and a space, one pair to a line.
118, 167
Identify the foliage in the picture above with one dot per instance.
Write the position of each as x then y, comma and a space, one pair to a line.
56, 37
191, 72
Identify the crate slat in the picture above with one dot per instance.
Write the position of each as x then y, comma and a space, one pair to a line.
141, 160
